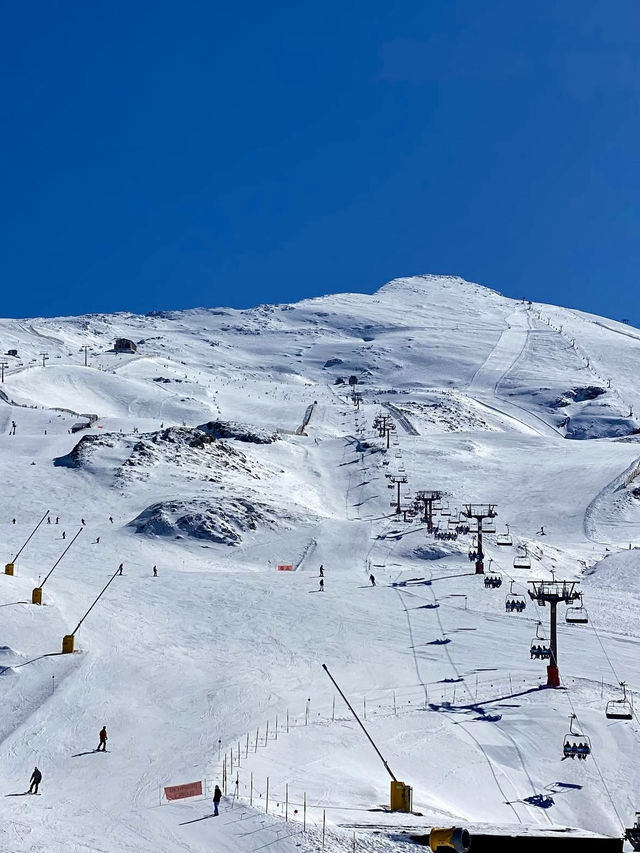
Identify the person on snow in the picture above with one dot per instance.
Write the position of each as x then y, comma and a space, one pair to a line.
36, 778
102, 746
64, 535
321, 570
97, 540
217, 796
155, 572
321, 585
82, 521
111, 519
373, 580
120, 567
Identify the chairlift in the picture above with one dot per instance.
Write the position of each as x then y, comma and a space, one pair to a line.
492, 579
504, 538
522, 561
540, 646
577, 615
575, 744
488, 526
620, 709
453, 523
445, 510
514, 603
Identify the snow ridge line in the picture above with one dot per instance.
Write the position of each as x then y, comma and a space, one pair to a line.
589, 522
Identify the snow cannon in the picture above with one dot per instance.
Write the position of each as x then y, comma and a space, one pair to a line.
68, 644
456, 838
401, 797
8, 569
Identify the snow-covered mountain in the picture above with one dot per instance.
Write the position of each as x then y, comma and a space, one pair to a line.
228, 444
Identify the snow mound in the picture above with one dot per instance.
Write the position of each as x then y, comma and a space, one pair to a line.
238, 432
222, 521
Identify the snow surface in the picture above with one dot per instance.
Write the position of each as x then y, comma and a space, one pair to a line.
493, 401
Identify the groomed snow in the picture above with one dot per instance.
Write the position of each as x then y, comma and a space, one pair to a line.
187, 666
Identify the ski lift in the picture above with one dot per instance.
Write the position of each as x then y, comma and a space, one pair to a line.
540, 646
575, 745
504, 538
577, 615
445, 510
522, 561
620, 709
452, 524
488, 526
492, 580
514, 603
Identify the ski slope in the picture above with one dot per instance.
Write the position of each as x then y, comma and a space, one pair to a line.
185, 667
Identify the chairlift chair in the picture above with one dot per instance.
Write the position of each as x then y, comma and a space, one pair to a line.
577, 615
453, 523
492, 580
540, 646
488, 526
504, 538
575, 744
522, 561
514, 603
620, 709
445, 510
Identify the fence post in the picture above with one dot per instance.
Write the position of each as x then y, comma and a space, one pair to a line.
266, 736
395, 710
276, 737
364, 707
286, 802
257, 733
333, 710
267, 798
251, 790
246, 751
287, 721
324, 821
231, 765
304, 812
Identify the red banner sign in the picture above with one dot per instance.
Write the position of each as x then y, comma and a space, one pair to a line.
285, 568
179, 792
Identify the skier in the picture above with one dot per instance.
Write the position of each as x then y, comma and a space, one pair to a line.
321, 568
541, 531
97, 540
155, 572
217, 796
36, 778
120, 567
102, 746
12, 431
48, 519
14, 521
82, 521
64, 535
57, 519
111, 519
321, 585
373, 580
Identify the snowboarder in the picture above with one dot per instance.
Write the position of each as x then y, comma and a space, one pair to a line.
120, 567
321, 571
155, 572
217, 796
36, 778
373, 580
541, 531
321, 585
102, 746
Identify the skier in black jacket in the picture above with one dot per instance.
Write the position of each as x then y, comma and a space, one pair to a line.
217, 796
36, 778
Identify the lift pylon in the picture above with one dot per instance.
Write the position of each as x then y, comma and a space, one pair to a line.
480, 512
553, 592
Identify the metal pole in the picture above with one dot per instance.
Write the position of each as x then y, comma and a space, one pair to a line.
95, 602
32, 532
304, 812
380, 756
286, 802
267, 798
324, 824
61, 556
3, 365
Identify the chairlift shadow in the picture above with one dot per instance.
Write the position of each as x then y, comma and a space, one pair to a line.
23, 794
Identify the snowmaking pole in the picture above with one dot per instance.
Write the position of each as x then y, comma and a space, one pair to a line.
8, 569
68, 639
36, 595
401, 794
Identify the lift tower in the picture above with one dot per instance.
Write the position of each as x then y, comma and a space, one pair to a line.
480, 512
395, 480
553, 592
427, 499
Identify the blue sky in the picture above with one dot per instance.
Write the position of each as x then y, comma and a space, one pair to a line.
165, 155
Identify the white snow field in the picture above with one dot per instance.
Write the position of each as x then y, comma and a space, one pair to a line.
530, 407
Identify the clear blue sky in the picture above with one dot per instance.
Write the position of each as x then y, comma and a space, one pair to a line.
173, 154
